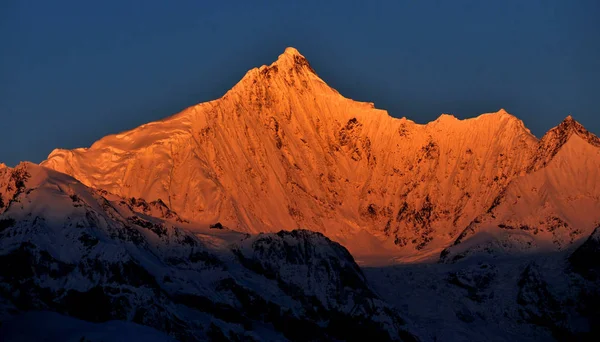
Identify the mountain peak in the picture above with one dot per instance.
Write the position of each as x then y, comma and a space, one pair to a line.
501, 113
292, 51
445, 116
569, 126
291, 62
557, 137
569, 122
292, 59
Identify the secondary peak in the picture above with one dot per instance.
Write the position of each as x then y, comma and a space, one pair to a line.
568, 127
569, 123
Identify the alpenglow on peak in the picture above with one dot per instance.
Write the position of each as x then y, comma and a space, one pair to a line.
283, 150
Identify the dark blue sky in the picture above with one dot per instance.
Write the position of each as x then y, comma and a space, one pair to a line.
74, 71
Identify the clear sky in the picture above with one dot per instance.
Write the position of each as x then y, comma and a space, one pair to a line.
74, 71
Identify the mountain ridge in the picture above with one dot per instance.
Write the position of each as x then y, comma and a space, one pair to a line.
283, 149
285, 61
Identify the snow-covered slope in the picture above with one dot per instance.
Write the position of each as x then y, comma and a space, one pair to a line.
283, 149
496, 296
535, 297
555, 205
96, 256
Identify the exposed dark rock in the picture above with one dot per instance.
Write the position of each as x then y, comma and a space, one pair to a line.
6, 223
301, 62
476, 280
585, 260
416, 221
537, 304
217, 225
158, 228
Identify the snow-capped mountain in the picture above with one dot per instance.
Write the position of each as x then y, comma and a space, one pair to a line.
98, 257
228, 221
555, 205
283, 149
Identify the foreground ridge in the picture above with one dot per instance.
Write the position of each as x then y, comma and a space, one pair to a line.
98, 257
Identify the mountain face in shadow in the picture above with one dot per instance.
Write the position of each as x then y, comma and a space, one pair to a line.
97, 257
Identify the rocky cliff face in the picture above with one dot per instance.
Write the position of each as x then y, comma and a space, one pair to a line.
95, 256
283, 149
